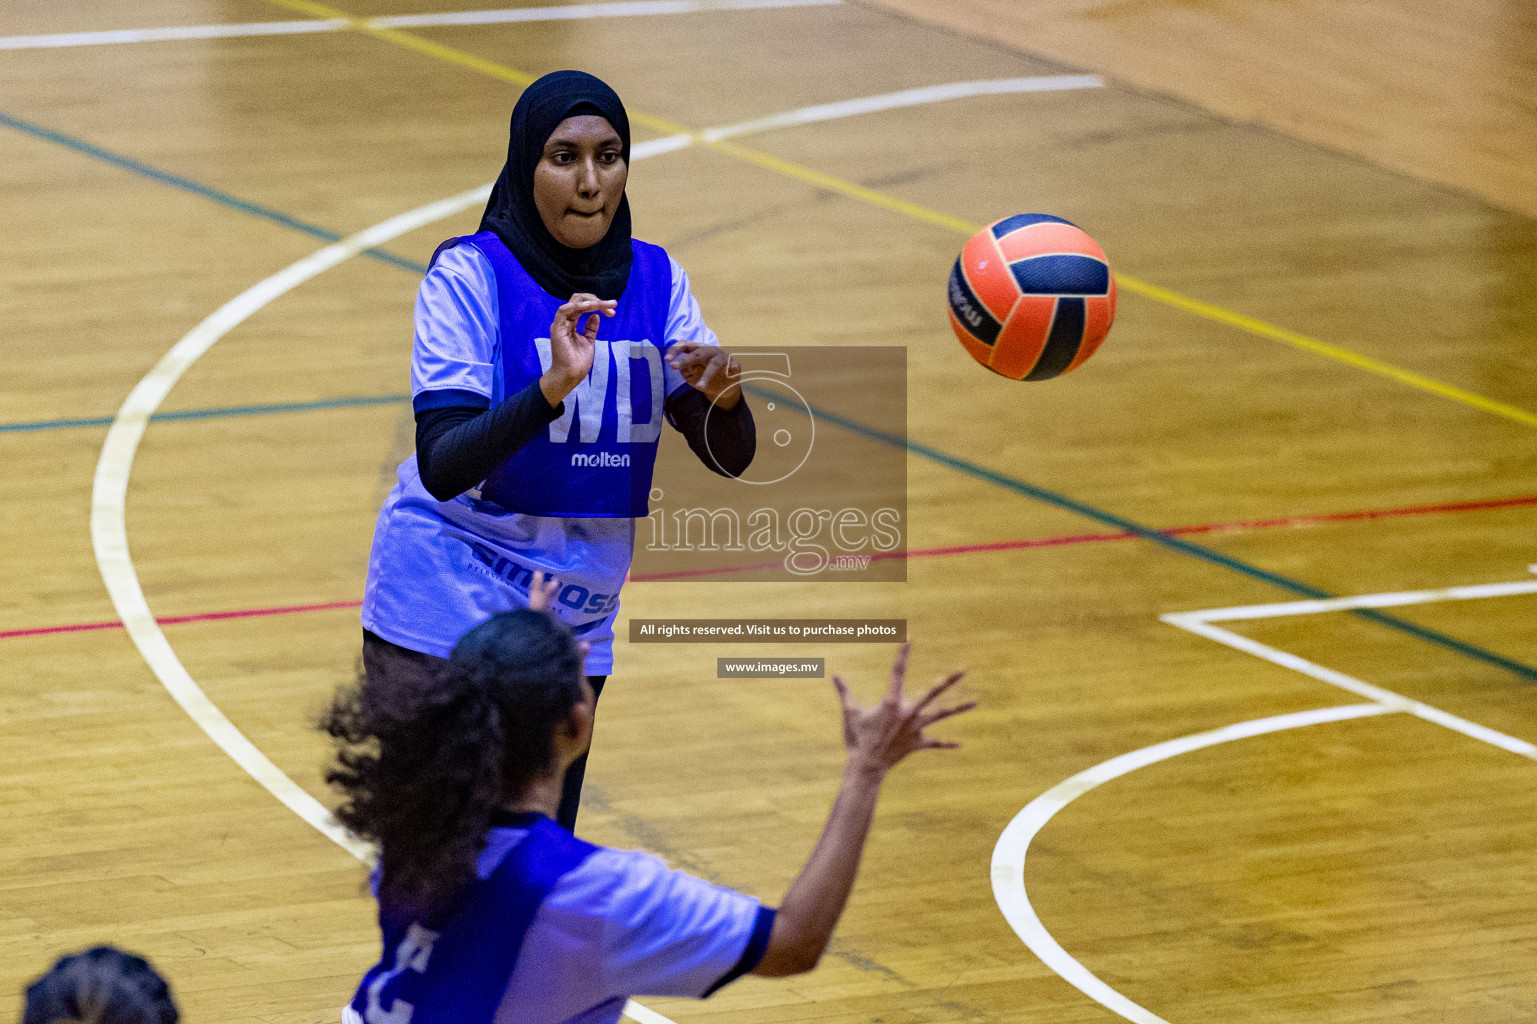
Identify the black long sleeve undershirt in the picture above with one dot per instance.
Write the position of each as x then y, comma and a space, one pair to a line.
460, 440
724, 439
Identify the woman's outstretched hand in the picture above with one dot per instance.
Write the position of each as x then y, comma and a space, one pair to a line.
878, 738
708, 369
571, 348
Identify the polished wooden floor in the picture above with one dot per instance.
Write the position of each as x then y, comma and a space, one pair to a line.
1379, 869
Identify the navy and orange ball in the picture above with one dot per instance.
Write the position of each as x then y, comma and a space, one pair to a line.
1031, 296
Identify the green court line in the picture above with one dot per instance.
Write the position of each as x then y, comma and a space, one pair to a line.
219, 412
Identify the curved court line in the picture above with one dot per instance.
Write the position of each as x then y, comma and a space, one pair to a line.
109, 494
1008, 867
1009, 854
1136, 286
905, 98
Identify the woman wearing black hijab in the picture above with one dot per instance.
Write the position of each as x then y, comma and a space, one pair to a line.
549, 348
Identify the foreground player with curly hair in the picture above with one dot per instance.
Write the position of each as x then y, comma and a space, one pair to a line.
491, 912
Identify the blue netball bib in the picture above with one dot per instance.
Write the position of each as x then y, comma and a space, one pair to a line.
458, 972
596, 459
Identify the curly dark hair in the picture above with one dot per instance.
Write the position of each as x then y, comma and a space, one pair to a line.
425, 754
101, 985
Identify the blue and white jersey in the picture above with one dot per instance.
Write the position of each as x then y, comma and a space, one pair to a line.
566, 504
557, 931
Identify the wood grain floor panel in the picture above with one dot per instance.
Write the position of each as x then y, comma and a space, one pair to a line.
1352, 872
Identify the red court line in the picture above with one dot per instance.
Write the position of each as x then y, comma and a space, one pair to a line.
1094, 538
954, 549
883, 556
173, 620
1345, 517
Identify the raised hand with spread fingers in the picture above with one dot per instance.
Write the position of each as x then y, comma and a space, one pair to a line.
877, 739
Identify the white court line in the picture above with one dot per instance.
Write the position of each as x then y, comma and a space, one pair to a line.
1008, 868
1009, 854
109, 533
109, 493
560, 12
1200, 623
873, 104
1336, 604
156, 35
906, 98
565, 12
1286, 659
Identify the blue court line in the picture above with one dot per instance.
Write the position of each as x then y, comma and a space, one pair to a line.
933, 454
1061, 501
220, 412
154, 174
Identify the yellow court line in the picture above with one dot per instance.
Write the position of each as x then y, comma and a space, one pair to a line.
848, 188
1323, 348
451, 55
410, 42
832, 183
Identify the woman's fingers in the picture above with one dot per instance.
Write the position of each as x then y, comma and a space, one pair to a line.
582, 305
938, 688
899, 671
705, 367
944, 713
587, 300
844, 697
684, 355
690, 357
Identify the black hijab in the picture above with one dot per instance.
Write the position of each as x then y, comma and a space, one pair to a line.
601, 269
